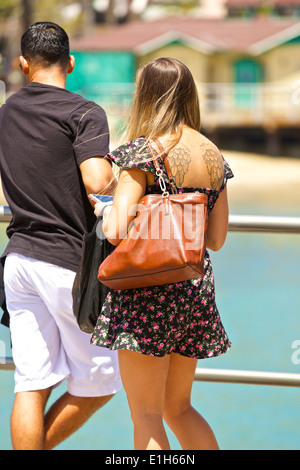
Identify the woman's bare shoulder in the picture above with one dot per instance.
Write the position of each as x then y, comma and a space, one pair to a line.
213, 160
208, 152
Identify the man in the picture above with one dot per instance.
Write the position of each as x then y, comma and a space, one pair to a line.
51, 156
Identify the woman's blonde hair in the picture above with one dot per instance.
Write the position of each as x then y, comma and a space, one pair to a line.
166, 100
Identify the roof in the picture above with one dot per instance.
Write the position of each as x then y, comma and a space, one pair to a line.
207, 35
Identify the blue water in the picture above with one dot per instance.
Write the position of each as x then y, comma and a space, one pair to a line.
257, 283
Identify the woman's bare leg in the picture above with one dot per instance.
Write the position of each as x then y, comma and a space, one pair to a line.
144, 379
190, 428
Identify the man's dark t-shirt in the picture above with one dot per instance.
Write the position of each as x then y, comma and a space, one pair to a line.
45, 133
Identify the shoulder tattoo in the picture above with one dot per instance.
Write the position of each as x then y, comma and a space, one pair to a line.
214, 165
179, 160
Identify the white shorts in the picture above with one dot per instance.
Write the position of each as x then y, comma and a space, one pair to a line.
47, 344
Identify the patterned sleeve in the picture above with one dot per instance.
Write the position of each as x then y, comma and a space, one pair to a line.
228, 174
133, 154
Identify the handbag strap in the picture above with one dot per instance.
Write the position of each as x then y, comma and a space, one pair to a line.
164, 158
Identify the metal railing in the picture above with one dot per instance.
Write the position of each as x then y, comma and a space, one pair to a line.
222, 104
5, 214
231, 104
263, 224
237, 223
7, 363
248, 377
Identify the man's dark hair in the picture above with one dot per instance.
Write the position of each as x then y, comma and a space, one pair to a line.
46, 43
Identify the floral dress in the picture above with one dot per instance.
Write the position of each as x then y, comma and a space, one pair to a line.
181, 317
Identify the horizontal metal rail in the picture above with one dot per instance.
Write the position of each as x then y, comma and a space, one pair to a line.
263, 224
237, 223
6, 363
247, 377
5, 214
272, 379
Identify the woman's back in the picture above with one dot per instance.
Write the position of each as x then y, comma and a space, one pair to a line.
195, 161
173, 324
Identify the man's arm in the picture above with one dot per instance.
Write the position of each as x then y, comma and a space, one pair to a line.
97, 176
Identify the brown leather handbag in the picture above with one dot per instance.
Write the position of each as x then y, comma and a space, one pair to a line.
166, 242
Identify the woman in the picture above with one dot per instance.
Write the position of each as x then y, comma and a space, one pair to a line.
161, 331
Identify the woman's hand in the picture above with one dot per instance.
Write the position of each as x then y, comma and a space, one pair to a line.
99, 206
131, 188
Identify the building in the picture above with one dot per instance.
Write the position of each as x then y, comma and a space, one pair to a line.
247, 70
271, 8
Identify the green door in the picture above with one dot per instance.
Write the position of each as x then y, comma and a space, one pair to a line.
247, 73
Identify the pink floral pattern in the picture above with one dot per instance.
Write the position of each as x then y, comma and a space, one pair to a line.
181, 317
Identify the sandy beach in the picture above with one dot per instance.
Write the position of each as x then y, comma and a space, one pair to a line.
263, 179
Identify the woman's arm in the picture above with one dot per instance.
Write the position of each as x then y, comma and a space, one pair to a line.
218, 223
131, 188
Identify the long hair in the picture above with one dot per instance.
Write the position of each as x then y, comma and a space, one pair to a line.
166, 100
